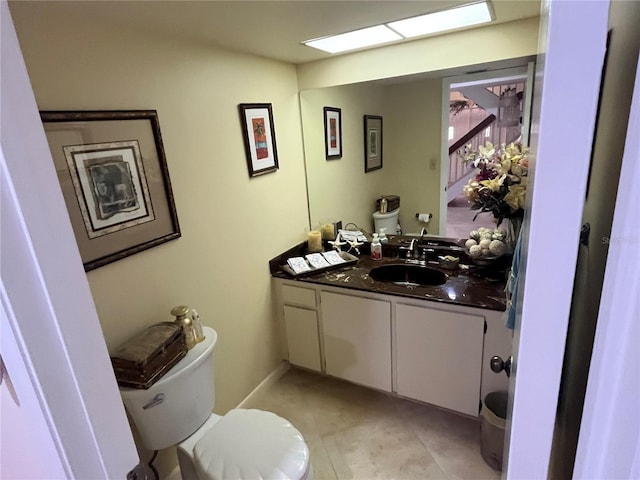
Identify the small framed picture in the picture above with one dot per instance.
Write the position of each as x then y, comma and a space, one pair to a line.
259, 137
372, 142
333, 133
114, 179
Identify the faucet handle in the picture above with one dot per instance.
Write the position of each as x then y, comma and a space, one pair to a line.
406, 249
424, 253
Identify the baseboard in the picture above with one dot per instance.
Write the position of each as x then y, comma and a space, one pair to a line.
174, 475
272, 378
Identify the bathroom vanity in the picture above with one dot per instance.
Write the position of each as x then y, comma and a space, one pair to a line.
427, 343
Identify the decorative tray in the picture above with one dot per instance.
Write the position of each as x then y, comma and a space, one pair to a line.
347, 258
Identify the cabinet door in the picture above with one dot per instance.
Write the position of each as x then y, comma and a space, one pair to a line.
302, 337
357, 339
439, 357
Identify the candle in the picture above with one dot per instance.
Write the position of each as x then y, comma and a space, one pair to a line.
314, 241
328, 232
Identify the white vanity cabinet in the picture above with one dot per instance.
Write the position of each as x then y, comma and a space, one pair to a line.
433, 352
439, 357
357, 339
299, 309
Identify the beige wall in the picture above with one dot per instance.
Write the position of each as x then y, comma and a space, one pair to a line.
231, 225
413, 130
444, 52
340, 189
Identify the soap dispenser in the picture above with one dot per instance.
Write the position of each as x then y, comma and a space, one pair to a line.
197, 325
183, 318
376, 248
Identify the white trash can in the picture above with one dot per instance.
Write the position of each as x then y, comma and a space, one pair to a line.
492, 422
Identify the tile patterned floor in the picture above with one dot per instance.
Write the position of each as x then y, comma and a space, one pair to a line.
356, 433
460, 219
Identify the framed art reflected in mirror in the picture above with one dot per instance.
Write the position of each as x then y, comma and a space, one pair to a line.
332, 133
372, 143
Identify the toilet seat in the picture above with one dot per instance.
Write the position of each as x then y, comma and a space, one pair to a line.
251, 444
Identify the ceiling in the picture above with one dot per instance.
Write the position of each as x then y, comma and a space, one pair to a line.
273, 29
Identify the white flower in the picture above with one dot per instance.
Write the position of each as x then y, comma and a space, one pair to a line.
487, 151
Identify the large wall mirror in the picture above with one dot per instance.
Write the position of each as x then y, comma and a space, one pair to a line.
412, 111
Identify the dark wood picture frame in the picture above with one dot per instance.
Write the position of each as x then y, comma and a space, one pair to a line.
372, 143
114, 178
259, 137
332, 133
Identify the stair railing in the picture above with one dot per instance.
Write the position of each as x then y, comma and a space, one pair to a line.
458, 168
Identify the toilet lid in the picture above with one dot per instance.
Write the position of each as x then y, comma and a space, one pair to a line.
251, 444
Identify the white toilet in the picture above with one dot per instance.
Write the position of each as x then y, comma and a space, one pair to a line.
246, 444
388, 220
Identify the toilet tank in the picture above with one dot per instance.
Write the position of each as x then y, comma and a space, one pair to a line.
388, 221
180, 402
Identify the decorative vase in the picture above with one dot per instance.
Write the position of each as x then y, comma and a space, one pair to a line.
512, 226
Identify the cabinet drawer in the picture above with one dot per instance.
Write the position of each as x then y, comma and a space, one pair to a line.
299, 296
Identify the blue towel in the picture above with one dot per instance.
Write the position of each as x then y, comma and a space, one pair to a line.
512, 284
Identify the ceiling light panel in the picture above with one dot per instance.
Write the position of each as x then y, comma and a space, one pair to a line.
454, 18
355, 40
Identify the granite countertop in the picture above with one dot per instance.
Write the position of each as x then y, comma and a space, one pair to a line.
470, 285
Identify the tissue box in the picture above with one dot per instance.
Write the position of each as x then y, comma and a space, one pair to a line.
144, 359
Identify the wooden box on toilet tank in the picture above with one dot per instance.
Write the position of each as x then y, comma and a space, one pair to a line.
145, 358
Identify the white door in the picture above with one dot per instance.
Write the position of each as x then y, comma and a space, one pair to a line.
477, 82
49, 310
24, 430
573, 42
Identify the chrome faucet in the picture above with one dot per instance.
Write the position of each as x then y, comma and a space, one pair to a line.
421, 250
410, 249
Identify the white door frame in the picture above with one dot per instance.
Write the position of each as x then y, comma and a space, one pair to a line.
45, 290
609, 441
573, 43
521, 73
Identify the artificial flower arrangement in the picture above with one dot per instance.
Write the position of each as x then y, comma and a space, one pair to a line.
499, 187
